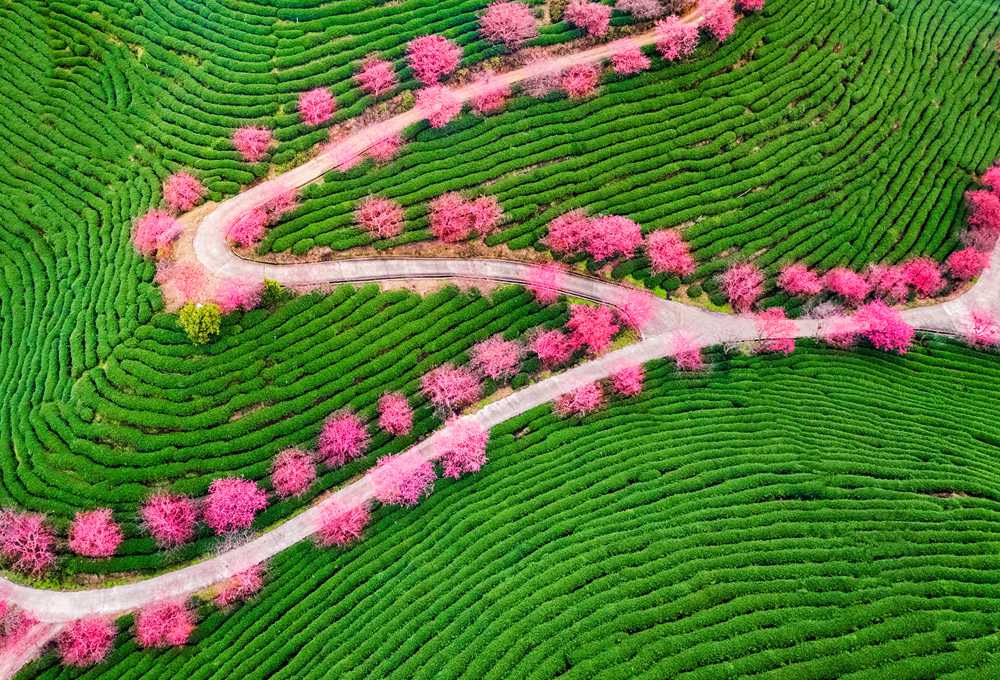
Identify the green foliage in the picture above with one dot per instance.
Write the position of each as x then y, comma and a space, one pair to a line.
200, 321
274, 294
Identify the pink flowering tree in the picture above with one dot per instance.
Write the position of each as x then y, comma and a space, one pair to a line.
182, 191
641, 9
461, 448
155, 230
492, 95
720, 18
580, 80
292, 473
232, 504
449, 217
188, 280
982, 330
553, 348
629, 59
750, 5
984, 218
316, 106
341, 525
376, 77
743, 285
592, 328
924, 276
386, 149
26, 542
685, 352
233, 294
497, 358
344, 438
94, 533
240, 587
164, 624
569, 232
635, 309
380, 217
967, 263
798, 279
432, 57
669, 254
545, 281
613, 236
991, 178
280, 204
777, 331
485, 214
451, 389
247, 229
580, 402
675, 39
883, 327
510, 23
839, 331
169, 518
848, 284
14, 625
395, 415
592, 17
86, 642
887, 282
252, 142
628, 381
545, 79
438, 104
402, 479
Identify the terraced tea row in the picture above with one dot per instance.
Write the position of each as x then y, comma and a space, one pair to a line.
731, 532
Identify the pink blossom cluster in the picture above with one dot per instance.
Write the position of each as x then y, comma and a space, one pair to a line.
924, 276
376, 77
669, 254
635, 309
510, 23
252, 142
27, 542
967, 263
602, 237
592, 17
461, 448
592, 328
797, 279
154, 230
438, 104
94, 533
545, 281
249, 228
182, 191
453, 218
777, 330
641, 9
743, 284
628, 381
232, 504
544, 82
496, 358
85, 642
344, 438
720, 18
164, 624
887, 282
685, 352
233, 293
340, 525
629, 59
982, 329
451, 388
402, 479
14, 624
675, 39
187, 279
848, 284
553, 348
883, 327
316, 106
493, 94
241, 587
292, 473
395, 415
750, 5
580, 80
380, 217
431, 57
581, 401
169, 518
385, 149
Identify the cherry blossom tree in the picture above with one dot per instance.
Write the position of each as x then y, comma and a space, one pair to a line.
497, 358
280, 205
376, 77
292, 473
991, 178
635, 309
777, 330
797, 279
545, 81
510, 23
924, 276
967, 263
580, 80
252, 142
432, 57
438, 104
247, 229
14, 625
720, 18
154, 230
316, 106
169, 518
840, 331
380, 217
592, 17
182, 191
750, 5
386, 149
341, 525
241, 587
545, 281
883, 327
553, 348
592, 328
461, 447
26, 542
94, 533
641, 9
493, 94
685, 352
233, 293
887, 282
187, 279
580, 402
613, 236
232, 504
743, 284
344, 438
395, 415
402, 479
675, 39
164, 624
629, 59
485, 214
451, 389
628, 381
569, 232
984, 218
86, 642
449, 218
669, 254
982, 330
848, 284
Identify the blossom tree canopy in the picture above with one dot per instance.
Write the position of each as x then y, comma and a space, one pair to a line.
94, 533
344, 438
510, 23
432, 57
252, 142
376, 77
232, 504
170, 518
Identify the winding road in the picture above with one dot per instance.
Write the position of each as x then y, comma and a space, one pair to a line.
54, 608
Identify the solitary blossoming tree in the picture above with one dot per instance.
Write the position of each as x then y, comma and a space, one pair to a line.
492, 95
402, 479
685, 352
635, 309
341, 525
580, 402
510, 23
545, 281
451, 389
592, 17
569, 232
182, 191
94, 533
316, 106
169, 518
438, 104
628, 381
252, 142
984, 218
675, 39
395, 415
669, 254
292, 473
154, 230
991, 178
743, 284
485, 214
798, 279
848, 284
241, 587
85, 642
496, 358
232, 504
883, 327
344, 438
380, 217
164, 624
553, 348
777, 331
376, 77
720, 18
924, 276
967, 263
26, 542
580, 80
432, 57
613, 236
461, 448
592, 328
247, 229
629, 59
